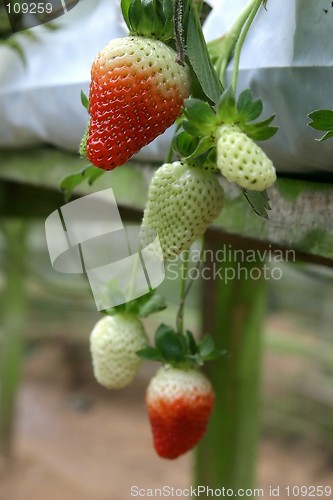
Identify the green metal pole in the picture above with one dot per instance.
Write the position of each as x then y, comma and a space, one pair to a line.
13, 308
233, 311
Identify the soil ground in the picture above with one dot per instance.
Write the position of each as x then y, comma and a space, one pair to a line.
84, 443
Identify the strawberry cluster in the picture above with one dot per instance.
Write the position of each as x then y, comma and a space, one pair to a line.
140, 85
179, 397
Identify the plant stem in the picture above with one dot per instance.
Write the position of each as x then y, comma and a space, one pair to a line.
239, 45
185, 290
221, 48
179, 32
132, 284
183, 281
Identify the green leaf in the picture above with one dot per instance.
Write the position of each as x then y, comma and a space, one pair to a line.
199, 58
150, 18
202, 150
259, 201
328, 135
149, 353
226, 106
247, 108
69, 183
201, 114
260, 131
155, 303
191, 343
206, 346
322, 119
169, 344
84, 100
184, 144
214, 354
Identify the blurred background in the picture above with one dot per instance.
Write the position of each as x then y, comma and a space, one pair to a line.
74, 439
68, 437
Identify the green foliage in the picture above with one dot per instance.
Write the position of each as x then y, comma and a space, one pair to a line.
88, 173
195, 140
150, 18
199, 59
322, 120
180, 351
144, 306
84, 100
259, 201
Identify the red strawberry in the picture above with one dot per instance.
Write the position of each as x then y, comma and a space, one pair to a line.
137, 91
179, 404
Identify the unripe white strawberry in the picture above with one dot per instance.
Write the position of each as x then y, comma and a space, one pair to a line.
113, 344
182, 201
242, 161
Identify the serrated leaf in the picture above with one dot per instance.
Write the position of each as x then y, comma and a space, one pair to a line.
184, 144
201, 115
203, 148
191, 343
199, 58
192, 129
260, 131
206, 346
247, 108
169, 344
226, 106
322, 119
259, 201
214, 354
149, 353
154, 304
84, 100
72, 181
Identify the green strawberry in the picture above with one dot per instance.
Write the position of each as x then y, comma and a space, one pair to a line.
113, 344
137, 91
242, 161
179, 404
182, 201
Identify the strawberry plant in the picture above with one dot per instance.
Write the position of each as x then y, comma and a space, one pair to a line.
163, 73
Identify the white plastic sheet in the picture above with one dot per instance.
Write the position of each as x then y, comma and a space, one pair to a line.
40, 100
286, 60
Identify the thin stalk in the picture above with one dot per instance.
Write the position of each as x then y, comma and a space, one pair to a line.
132, 284
221, 48
183, 282
185, 290
179, 31
241, 40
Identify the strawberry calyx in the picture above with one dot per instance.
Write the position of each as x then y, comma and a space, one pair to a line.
142, 307
149, 18
180, 351
200, 122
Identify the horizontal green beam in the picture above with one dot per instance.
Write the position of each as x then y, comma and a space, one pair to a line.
301, 216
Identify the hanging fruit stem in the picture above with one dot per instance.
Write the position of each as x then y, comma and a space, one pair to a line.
241, 40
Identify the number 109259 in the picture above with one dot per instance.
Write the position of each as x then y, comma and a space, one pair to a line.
29, 8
